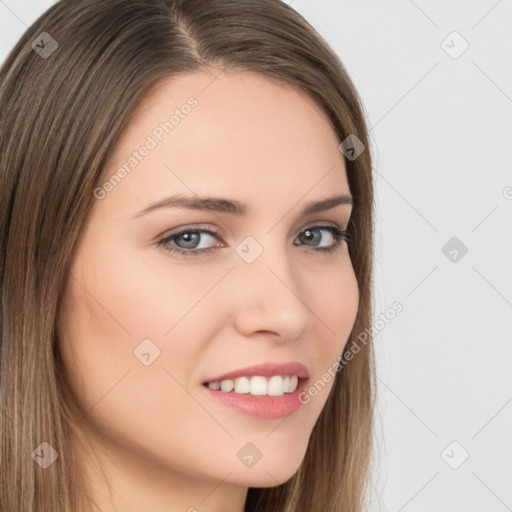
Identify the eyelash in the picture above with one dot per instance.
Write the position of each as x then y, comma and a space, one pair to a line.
338, 234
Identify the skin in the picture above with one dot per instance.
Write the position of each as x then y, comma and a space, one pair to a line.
151, 432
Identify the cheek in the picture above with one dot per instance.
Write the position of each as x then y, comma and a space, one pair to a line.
334, 300
113, 308
143, 409
120, 313
134, 295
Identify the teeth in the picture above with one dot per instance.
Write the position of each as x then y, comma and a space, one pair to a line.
275, 386
242, 385
227, 385
258, 385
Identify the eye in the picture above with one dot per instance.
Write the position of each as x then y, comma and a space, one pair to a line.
313, 234
187, 241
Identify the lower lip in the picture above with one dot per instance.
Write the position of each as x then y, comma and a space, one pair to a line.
265, 407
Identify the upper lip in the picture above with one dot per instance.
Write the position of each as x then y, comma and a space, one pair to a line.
265, 370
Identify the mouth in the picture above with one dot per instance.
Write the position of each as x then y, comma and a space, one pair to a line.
257, 385
265, 391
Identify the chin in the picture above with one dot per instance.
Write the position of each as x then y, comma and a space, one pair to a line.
269, 473
261, 478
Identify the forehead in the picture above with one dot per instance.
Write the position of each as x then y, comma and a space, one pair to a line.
237, 134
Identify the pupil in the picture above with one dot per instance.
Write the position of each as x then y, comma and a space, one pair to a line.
311, 235
192, 239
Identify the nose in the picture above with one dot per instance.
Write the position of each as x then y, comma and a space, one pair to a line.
271, 296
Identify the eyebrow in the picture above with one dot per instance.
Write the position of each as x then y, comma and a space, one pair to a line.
233, 207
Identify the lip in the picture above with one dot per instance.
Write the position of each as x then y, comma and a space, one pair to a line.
263, 406
265, 370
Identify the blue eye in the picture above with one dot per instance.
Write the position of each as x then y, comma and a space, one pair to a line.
189, 240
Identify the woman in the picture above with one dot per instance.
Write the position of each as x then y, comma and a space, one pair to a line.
186, 255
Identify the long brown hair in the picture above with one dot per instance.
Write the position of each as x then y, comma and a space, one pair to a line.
64, 105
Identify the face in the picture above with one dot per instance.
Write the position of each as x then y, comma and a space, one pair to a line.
154, 307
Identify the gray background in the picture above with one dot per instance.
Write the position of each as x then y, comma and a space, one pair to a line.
441, 131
